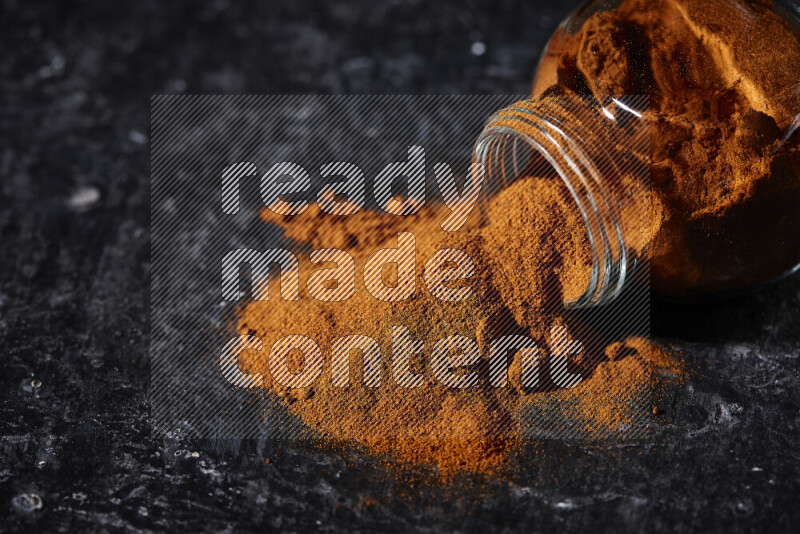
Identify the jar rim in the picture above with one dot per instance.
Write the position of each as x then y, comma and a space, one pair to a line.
574, 165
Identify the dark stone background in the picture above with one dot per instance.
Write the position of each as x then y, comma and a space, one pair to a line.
76, 81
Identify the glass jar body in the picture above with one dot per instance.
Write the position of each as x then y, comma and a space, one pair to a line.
720, 181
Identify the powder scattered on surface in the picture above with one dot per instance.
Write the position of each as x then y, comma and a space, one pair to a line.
473, 428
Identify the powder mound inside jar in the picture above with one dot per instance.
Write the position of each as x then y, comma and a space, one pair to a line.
537, 242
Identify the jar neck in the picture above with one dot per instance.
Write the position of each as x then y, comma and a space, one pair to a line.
595, 150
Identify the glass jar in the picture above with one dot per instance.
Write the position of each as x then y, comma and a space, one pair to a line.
672, 123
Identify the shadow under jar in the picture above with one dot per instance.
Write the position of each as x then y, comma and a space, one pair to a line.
673, 124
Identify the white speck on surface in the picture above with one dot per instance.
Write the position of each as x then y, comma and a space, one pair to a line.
56, 66
210, 471
84, 197
564, 505
756, 469
521, 491
357, 64
478, 48
27, 502
137, 137
744, 507
57, 63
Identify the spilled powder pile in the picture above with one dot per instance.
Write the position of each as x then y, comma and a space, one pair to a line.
724, 87
532, 224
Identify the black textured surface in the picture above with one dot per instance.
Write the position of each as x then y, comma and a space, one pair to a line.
76, 82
